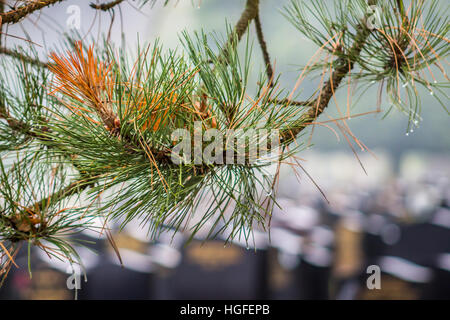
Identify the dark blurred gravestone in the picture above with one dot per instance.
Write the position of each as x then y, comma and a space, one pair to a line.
414, 267
48, 279
421, 243
50, 276
284, 258
316, 264
373, 244
132, 281
211, 270
314, 281
301, 236
439, 286
360, 247
439, 226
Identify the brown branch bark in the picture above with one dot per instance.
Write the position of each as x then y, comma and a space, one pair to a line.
14, 16
2, 10
106, 6
249, 13
13, 123
329, 88
74, 187
263, 45
24, 128
25, 58
308, 103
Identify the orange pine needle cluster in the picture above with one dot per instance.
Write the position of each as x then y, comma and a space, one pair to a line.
84, 78
160, 110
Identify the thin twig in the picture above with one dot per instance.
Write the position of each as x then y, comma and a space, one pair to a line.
17, 55
328, 89
75, 187
249, 13
308, 103
265, 52
106, 6
13, 123
2, 10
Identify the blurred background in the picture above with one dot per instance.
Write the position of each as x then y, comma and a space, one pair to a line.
388, 209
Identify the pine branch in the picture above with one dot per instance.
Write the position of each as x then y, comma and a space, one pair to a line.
2, 10
14, 16
106, 6
73, 188
263, 45
17, 55
136, 143
40, 133
329, 88
250, 13
14, 123
247, 16
22, 127
308, 103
